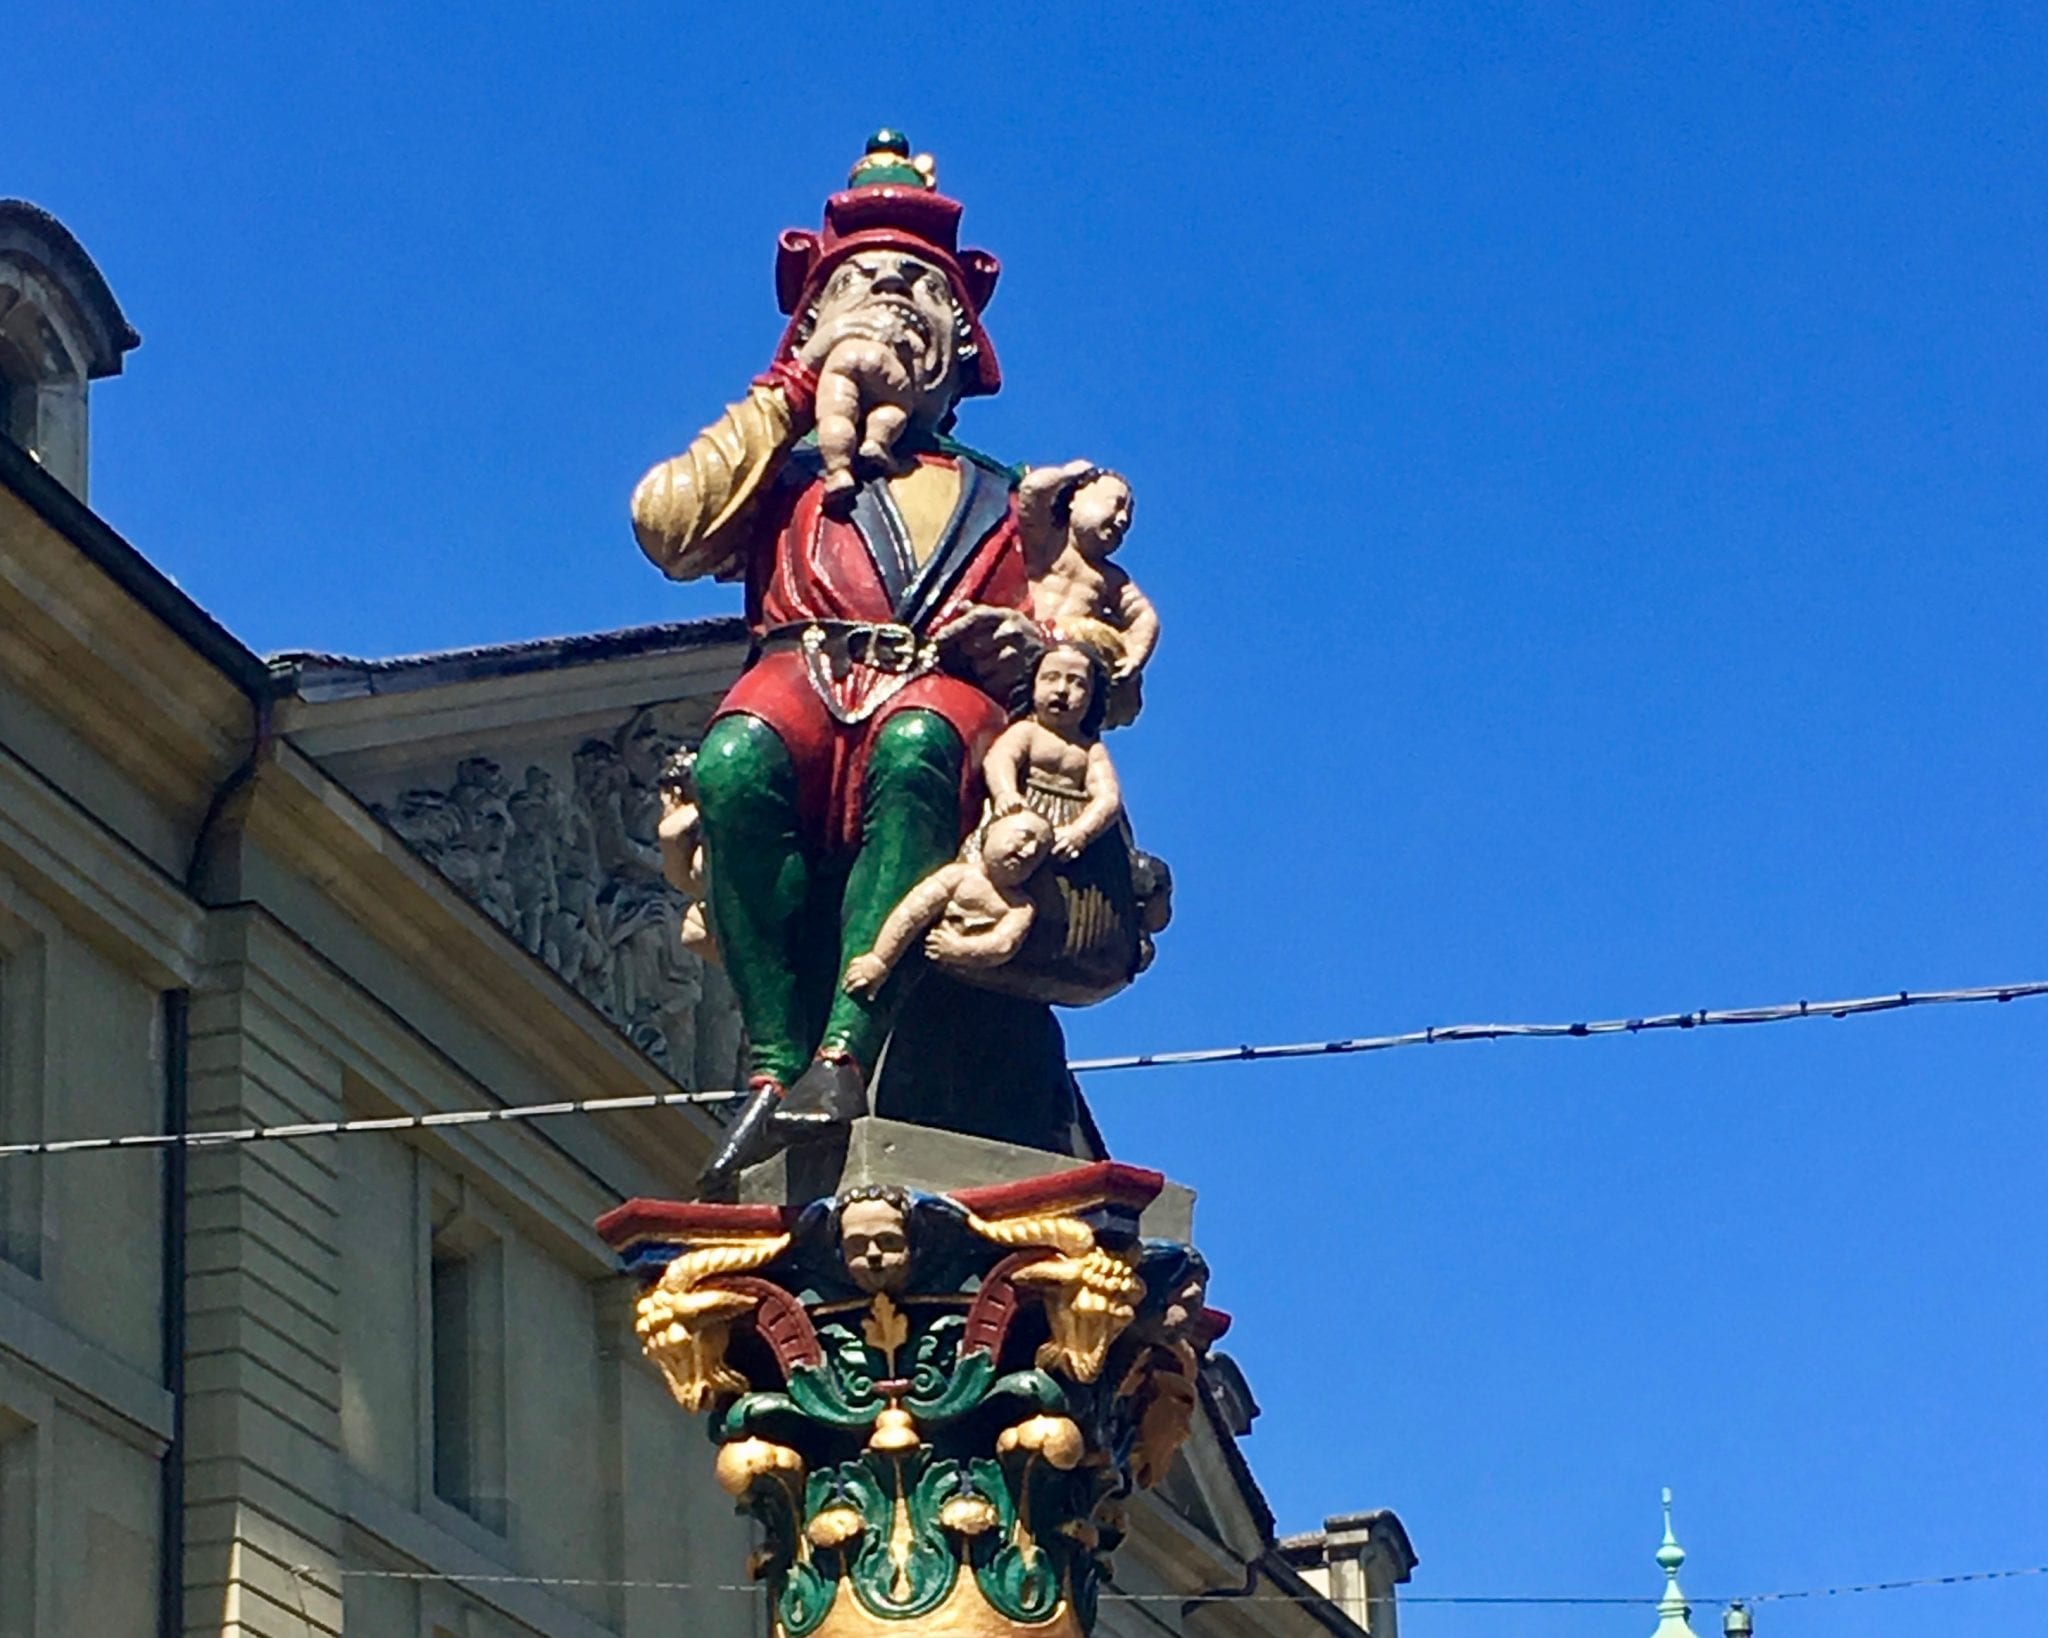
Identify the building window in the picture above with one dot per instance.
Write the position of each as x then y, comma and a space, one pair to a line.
17, 1526
466, 1289
21, 1102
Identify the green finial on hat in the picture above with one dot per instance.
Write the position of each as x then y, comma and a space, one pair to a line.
889, 162
1674, 1613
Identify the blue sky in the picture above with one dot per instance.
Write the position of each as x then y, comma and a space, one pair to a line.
1591, 465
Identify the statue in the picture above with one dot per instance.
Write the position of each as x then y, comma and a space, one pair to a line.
889, 590
902, 829
1072, 519
681, 838
1053, 761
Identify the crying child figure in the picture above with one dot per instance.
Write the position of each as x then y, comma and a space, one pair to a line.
860, 369
974, 913
1053, 761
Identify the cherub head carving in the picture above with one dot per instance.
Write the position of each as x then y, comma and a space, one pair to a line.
874, 1237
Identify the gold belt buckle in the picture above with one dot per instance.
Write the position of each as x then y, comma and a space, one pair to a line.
891, 648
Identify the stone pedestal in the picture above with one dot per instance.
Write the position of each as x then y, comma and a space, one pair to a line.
873, 1152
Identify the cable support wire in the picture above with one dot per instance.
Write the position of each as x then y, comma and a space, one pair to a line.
311, 1573
1442, 1034
301, 1131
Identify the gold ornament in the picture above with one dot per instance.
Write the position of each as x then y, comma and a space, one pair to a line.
1054, 1439
894, 1433
1090, 1294
968, 1515
684, 1329
1167, 1414
834, 1527
886, 1328
743, 1461
966, 1613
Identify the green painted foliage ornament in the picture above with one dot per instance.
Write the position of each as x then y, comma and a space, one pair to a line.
935, 1406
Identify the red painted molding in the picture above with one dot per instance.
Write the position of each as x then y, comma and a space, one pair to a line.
1106, 1182
638, 1220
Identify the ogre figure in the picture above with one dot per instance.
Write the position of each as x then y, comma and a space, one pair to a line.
891, 618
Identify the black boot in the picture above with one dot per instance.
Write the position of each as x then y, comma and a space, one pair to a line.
826, 1097
753, 1139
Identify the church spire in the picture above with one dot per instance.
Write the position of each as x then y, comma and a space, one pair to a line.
1674, 1613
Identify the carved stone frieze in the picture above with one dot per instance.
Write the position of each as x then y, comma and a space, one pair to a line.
571, 868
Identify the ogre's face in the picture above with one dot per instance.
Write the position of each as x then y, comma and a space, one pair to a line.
913, 305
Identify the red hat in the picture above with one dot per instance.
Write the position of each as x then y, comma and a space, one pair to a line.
891, 201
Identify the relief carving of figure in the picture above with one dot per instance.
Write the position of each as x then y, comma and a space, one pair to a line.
431, 827
479, 796
531, 866
576, 875
658, 981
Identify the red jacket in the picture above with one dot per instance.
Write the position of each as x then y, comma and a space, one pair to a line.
809, 564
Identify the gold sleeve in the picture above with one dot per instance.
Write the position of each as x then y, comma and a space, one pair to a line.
690, 514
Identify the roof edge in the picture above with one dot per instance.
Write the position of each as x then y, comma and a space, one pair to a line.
319, 676
132, 572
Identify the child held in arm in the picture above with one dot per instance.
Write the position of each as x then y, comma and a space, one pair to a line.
680, 838
1073, 518
972, 913
1053, 761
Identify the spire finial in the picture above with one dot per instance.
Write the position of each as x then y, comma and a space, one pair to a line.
1670, 1555
1673, 1611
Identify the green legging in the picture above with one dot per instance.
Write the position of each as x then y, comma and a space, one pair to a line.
787, 922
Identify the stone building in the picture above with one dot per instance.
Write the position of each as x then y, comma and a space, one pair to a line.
60, 330
1357, 1560
383, 1384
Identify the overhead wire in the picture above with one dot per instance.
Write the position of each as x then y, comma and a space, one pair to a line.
302, 1131
314, 1573
1890, 1001
1438, 1035
1447, 1034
